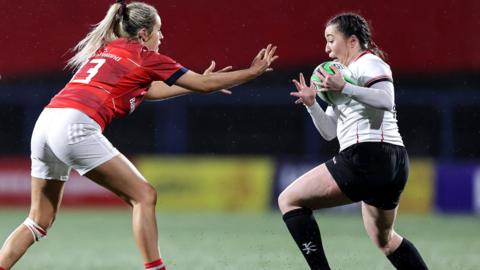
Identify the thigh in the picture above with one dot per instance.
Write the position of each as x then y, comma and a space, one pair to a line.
120, 176
315, 189
45, 201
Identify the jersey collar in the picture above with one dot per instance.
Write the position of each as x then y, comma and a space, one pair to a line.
362, 54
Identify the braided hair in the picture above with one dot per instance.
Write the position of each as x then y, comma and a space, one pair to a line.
353, 24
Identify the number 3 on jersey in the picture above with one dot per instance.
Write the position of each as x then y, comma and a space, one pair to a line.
98, 63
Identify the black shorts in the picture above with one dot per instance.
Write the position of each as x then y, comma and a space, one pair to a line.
373, 172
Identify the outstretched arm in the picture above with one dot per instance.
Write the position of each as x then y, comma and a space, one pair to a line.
216, 81
159, 90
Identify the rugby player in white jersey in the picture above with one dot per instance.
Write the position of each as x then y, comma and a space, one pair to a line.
372, 165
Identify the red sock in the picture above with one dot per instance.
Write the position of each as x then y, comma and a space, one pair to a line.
155, 265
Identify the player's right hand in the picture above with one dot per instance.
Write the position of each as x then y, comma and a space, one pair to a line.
264, 59
305, 93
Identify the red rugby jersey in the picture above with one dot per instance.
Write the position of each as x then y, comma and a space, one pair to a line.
114, 81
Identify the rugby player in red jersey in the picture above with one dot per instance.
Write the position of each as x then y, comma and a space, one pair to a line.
118, 66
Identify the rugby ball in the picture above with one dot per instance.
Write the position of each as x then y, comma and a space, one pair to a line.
332, 97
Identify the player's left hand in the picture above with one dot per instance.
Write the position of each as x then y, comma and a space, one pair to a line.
211, 69
305, 94
331, 82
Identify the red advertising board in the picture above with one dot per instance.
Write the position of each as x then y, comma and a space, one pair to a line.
15, 187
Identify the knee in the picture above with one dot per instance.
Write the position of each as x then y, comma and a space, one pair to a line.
38, 231
43, 219
284, 202
148, 195
382, 241
385, 241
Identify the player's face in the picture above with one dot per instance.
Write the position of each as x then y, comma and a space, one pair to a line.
336, 44
155, 38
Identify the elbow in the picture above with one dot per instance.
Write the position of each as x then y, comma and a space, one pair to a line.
202, 88
385, 106
390, 106
209, 84
205, 87
199, 84
328, 136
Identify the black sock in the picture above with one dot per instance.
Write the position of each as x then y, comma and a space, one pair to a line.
406, 257
305, 232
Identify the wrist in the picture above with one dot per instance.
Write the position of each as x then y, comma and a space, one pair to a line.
312, 108
309, 104
254, 72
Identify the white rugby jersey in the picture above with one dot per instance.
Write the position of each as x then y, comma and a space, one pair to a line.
358, 122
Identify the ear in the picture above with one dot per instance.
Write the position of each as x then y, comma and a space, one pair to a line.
353, 41
143, 34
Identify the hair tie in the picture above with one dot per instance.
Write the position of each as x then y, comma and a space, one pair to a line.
123, 8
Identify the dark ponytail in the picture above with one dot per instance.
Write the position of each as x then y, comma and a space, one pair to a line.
353, 24
376, 50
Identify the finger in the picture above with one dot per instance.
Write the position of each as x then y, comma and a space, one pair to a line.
225, 92
297, 85
267, 51
323, 89
319, 73
225, 69
316, 84
210, 68
335, 70
302, 79
298, 101
269, 47
260, 53
274, 58
269, 69
272, 52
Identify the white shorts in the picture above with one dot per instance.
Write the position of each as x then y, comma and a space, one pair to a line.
65, 138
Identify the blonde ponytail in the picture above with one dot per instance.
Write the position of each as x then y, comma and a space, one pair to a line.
102, 33
121, 21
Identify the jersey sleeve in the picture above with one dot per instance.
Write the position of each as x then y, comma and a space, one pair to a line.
324, 121
372, 71
163, 68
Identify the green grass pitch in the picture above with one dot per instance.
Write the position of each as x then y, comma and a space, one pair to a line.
88, 239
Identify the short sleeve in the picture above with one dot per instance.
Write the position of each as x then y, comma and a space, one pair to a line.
162, 68
373, 70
